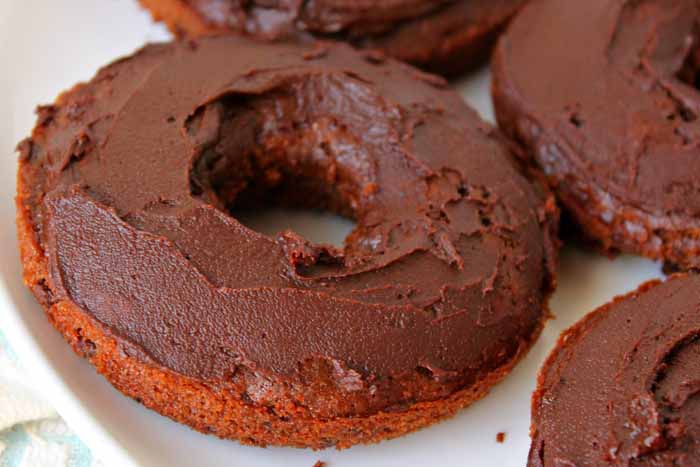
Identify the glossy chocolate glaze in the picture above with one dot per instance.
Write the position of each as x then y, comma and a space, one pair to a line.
442, 35
279, 17
605, 98
130, 180
623, 387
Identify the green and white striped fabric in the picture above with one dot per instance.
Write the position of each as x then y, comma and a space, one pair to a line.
31, 432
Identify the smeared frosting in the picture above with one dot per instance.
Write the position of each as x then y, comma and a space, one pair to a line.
132, 179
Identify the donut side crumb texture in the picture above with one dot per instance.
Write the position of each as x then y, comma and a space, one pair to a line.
126, 191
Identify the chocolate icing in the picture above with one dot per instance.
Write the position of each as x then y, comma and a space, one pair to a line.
430, 33
280, 17
605, 97
132, 177
623, 387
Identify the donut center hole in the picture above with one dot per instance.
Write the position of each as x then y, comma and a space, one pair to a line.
281, 160
316, 226
278, 197
676, 399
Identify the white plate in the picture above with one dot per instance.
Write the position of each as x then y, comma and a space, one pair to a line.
48, 45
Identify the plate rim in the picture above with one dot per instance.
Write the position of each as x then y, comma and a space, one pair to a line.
54, 389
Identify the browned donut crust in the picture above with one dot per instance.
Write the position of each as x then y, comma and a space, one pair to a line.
299, 392
220, 411
447, 37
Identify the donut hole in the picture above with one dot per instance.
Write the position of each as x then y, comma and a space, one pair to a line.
316, 226
280, 198
286, 158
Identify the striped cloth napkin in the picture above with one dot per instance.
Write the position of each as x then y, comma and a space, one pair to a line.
31, 432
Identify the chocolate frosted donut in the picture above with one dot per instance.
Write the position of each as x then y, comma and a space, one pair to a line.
126, 193
623, 385
603, 93
445, 36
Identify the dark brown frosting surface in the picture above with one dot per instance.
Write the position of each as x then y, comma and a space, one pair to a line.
352, 18
132, 178
623, 388
321, 16
605, 94
426, 32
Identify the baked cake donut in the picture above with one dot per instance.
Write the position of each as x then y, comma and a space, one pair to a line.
125, 199
622, 386
445, 36
603, 94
